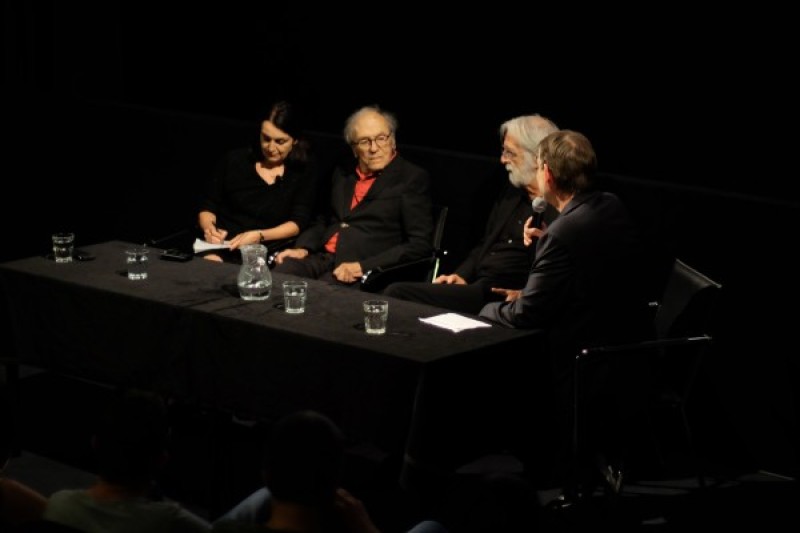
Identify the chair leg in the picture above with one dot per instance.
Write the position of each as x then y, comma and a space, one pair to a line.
652, 428
692, 452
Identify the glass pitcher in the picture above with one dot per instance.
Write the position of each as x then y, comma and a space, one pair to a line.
254, 279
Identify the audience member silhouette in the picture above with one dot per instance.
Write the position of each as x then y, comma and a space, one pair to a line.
130, 447
302, 469
19, 503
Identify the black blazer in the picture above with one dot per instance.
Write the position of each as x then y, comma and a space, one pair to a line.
392, 224
510, 197
586, 283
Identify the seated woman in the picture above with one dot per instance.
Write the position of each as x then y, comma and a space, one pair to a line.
263, 193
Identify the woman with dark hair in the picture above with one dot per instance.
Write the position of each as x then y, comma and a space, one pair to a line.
262, 193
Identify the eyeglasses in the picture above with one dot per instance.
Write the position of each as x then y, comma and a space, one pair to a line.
380, 141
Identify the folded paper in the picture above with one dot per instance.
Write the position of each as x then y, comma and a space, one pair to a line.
454, 322
203, 246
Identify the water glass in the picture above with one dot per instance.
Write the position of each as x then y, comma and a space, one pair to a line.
136, 259
294, 296
376, 314
63, 244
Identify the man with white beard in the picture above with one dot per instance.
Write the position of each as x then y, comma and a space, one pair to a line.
500, 262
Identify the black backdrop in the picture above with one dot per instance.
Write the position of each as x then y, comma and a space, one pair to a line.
691, 109
671, 94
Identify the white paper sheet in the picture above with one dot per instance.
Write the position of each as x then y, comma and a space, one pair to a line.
454, 322
203, 246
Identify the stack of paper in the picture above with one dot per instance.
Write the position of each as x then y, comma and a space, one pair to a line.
203, 246
454, 322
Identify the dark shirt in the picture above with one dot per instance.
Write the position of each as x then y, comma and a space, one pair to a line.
507, 261
243, 201
500, 259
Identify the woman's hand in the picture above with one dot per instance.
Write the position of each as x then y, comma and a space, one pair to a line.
214, 235
248, 237
208, 223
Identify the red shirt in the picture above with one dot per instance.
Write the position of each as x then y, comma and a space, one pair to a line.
363, 184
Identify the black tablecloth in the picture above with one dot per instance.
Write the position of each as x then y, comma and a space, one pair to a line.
184, 331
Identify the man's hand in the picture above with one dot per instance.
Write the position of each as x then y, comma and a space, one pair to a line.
295, 253
348, 272
353, 513
510, 294
450, 279
529, 233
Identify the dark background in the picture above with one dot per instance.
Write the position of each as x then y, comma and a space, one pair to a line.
113, 114
669, 93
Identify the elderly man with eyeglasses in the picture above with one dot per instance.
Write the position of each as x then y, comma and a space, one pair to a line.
499, 264
380, 210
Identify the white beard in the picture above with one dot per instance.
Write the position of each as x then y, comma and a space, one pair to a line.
521, 176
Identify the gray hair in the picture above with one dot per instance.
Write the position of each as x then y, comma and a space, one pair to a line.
349, 124
528, 130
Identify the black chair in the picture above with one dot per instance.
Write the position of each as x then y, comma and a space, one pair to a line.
664, 369
425, 269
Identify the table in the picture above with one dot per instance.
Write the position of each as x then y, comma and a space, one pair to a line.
418, 390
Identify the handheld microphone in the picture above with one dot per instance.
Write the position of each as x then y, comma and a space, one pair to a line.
539, 205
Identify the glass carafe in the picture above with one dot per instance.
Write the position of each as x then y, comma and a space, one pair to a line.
254, 279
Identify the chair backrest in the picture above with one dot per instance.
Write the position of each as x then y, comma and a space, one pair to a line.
686, 303
425, 269
685, 310
438, 234
662, 370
